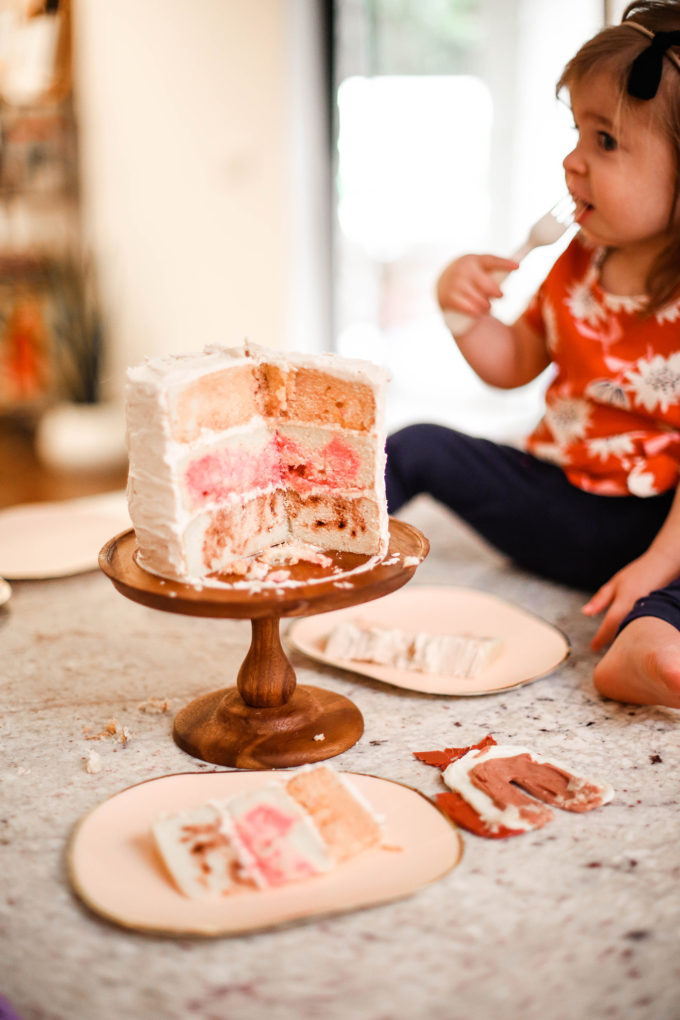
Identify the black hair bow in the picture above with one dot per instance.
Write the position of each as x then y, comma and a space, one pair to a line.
645, 72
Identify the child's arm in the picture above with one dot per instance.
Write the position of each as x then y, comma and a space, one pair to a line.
656, 568
501, 355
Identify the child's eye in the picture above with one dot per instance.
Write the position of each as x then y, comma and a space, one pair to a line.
606, 141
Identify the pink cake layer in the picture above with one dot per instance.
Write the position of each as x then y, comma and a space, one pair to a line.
299, 458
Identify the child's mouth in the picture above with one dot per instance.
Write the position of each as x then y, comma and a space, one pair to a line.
582, 209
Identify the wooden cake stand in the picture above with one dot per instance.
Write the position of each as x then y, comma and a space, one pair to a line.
268, 720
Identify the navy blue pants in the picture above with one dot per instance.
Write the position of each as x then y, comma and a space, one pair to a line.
528, 510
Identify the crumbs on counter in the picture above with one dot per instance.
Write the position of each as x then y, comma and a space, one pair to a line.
92, 762
113, 729
154, 706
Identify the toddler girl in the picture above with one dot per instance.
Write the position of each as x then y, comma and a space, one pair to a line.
592, 501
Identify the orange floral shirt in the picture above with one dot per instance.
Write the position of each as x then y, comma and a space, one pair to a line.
612, 417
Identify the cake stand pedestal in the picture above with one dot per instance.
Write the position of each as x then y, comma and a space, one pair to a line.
268, 720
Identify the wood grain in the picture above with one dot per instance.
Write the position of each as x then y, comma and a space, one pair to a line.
267, 721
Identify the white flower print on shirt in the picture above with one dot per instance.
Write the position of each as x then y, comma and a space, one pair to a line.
656, 381
582, 304
568, 418
669, 313
607, 391
624, 303
605, 447
641, 482
551, 452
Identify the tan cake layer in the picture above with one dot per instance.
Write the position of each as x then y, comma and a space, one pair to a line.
201, 405
307, 395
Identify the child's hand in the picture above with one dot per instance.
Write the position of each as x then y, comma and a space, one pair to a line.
470, 282
635, 580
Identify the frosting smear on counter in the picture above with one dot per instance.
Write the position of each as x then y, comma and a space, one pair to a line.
486, 783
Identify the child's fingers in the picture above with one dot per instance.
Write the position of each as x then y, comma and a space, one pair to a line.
486, 283
494, 264
606, 633
600, 600
466, 296
610, 624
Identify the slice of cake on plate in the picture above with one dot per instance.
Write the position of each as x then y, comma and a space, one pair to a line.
463, 655
233, 451
268, 837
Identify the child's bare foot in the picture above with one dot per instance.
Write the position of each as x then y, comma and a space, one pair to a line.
642, 667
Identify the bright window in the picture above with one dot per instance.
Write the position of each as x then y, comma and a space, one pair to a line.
450, 139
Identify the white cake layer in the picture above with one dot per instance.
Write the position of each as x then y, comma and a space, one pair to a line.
196, 850
340, 521
216, 538
445, 654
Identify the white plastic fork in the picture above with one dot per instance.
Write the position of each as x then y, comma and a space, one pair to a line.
547, 230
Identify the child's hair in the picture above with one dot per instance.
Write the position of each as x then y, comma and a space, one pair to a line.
613, 51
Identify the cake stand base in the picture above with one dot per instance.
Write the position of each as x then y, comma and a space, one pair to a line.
313, 725
267, 721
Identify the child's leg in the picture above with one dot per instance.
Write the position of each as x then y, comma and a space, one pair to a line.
523, 506
642, 666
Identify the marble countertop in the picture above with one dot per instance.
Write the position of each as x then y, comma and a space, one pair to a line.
579, 919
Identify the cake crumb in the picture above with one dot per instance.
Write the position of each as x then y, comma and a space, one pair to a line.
112, 729
92, 762
320, 736
154, 706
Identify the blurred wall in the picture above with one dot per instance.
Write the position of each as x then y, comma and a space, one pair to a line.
204, 173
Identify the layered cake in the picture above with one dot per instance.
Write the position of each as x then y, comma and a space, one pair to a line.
233, 451
462, 655
487, 781
267, 837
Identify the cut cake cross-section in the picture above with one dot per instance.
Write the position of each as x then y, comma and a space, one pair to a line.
233, 451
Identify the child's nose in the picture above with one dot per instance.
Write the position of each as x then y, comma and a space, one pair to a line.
573, 162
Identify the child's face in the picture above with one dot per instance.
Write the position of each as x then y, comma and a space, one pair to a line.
621, 171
